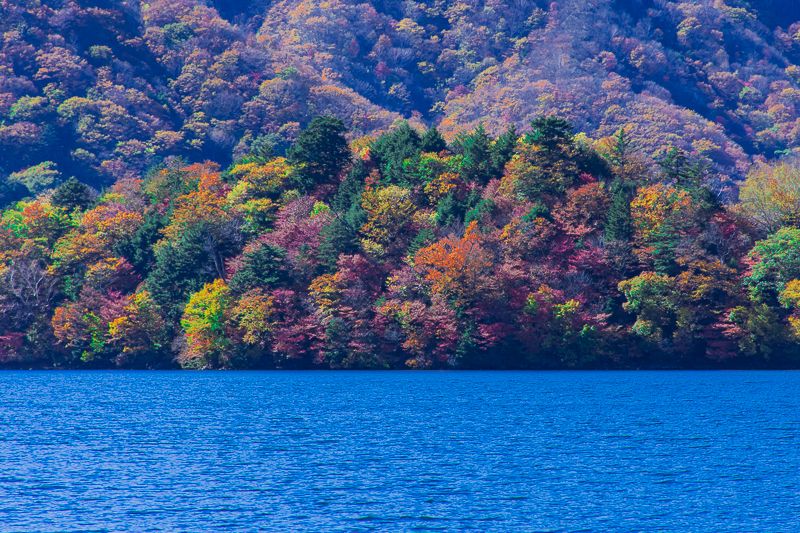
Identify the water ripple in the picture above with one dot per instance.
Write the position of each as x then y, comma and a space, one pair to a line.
399, 451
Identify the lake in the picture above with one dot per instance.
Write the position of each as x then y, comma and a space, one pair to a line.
345, 451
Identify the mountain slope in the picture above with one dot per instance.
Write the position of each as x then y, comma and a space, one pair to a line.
105, 89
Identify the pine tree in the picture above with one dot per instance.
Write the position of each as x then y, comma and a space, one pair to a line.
433, 141
674, 165
262, 267
476, 147
663, 241
72, 195
350, 189
391, 150
339, 237
320, 153
552, 134
503, 150
619, 225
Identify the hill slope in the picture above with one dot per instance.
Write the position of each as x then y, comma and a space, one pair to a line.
104, 89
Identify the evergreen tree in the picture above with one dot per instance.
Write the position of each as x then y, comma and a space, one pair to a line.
138, 248
262, 267
181, 268
619, 225
449, 211
339, 237
320, 152
689, 174
552, 134
350, 188
503, 150
433, 141
476, 148
663, 242
551, 159
265, 147
72, 195
392, 149
674, 166
695, 182
482, 208
620, 152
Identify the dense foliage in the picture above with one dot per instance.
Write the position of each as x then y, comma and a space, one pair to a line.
538, 248
246, 184
103, 89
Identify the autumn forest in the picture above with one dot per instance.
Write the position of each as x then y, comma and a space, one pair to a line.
425, 184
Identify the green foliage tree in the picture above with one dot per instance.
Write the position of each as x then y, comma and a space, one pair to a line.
72, 195
320, 152
181, 268
503, 150
547, 163
619, 224
432, 141
261, 267
776, 262
651, 297
339, 237
38, 177
476, 150
392, 149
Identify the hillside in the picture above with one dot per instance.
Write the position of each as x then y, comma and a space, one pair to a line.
103, 90
433, 184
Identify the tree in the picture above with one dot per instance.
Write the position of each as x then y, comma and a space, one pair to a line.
770, 196
553, 134
584, 210
261, 265
38, 177
391, 151
320, 152
674, 166
503, 150
775, 262
455, 267
619, 223
430, 333
204, 324
661, 215
651, 296
140, 334
389, 212
73, 195
546, 163
181, 267
257, 193
476, 151
349, 192
432, 141
253, 314
339, 237
619, 154
206, 212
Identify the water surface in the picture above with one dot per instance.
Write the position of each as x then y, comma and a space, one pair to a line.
328, 451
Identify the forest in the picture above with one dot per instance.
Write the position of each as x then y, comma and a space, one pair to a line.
533, 249
425, 184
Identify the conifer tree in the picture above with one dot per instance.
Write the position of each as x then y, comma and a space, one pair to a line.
433, 141
320, 153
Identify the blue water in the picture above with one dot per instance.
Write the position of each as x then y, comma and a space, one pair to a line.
325, 451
